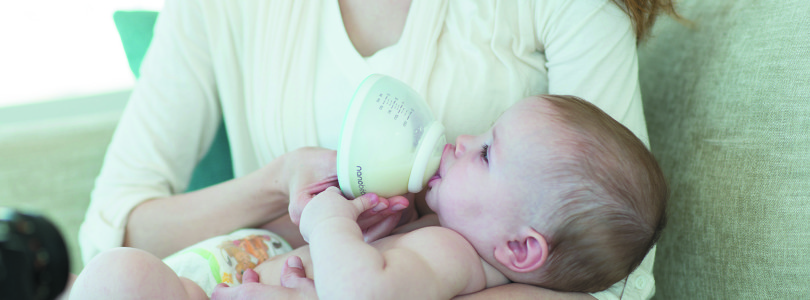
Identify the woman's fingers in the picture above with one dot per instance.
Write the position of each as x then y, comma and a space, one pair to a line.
309, 171
293, 272
320, 186
295, 278
378, 224
250, 276
381, 229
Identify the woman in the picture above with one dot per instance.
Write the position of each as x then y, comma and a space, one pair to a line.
280, 75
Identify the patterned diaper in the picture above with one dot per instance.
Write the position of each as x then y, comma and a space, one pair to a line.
224, 258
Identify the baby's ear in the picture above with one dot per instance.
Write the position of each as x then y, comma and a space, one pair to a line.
524, 255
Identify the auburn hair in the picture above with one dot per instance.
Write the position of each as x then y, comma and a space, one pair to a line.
644, 12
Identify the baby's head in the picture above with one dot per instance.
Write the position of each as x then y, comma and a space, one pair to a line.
556, 194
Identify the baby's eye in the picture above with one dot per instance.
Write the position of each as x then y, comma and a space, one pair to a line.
484, 152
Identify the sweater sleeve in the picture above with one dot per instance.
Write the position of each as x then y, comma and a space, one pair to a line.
167, 126
590, 47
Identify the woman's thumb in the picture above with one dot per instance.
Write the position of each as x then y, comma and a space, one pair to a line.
250, 276
292, 272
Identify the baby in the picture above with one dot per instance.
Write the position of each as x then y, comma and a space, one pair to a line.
556, 194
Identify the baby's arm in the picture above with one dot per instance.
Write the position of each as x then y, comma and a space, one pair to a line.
437, 260
270, 270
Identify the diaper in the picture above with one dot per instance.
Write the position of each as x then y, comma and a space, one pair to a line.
224, 258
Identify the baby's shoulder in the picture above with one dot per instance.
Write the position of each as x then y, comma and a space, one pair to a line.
432, 243
450, 255
435, 237
434, 231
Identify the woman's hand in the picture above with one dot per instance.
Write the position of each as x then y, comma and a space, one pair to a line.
310, 171
294, 285
251, 288
294, 276
377, 225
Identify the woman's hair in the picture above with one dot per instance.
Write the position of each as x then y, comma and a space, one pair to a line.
644, 12
612, 200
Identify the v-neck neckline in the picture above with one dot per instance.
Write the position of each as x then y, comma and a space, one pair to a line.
411, 57
338, 23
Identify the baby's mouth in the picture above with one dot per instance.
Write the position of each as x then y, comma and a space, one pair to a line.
438, 174
434, 178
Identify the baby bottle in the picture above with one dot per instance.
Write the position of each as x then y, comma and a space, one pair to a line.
390, 143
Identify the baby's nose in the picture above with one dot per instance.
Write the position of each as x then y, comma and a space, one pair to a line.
461, 144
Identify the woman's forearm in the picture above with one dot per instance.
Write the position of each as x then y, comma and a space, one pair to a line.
165, 225
522, 291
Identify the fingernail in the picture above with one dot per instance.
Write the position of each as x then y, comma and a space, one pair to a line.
373, 199
294, 263
398, 207
379, 207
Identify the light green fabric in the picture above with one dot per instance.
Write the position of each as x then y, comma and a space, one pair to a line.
729, 120
48, 167
135, 30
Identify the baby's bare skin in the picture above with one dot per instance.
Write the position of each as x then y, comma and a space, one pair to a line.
270, 270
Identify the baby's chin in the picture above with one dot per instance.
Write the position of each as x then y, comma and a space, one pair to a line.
431, 199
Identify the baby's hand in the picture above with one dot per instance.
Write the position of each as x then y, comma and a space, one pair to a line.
331, 204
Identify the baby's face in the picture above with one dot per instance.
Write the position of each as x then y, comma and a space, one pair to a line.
481, 177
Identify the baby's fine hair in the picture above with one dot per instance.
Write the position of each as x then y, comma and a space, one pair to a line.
612, 210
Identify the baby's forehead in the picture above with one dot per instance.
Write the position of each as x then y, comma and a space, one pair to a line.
532, 102
533, 133
535, 107
531, 114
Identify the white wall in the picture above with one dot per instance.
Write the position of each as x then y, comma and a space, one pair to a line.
57, 49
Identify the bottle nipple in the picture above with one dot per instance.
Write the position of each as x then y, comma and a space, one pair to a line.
428, 157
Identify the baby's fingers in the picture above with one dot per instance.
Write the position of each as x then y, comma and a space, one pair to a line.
369, 203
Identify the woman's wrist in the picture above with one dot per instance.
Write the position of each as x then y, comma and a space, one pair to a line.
271, 191
165, 225
273, 181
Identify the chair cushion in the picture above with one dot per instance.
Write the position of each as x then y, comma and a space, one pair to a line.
135, 30
727, 108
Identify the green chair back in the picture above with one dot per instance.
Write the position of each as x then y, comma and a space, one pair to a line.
135, 29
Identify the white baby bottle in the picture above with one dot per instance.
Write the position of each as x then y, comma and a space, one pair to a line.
390, 143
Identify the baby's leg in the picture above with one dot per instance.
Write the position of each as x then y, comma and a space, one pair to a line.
129, 273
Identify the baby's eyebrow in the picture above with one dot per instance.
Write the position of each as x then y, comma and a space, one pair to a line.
496, 119
491, 147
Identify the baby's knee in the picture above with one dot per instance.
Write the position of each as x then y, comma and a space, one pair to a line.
123, 261
120, 271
